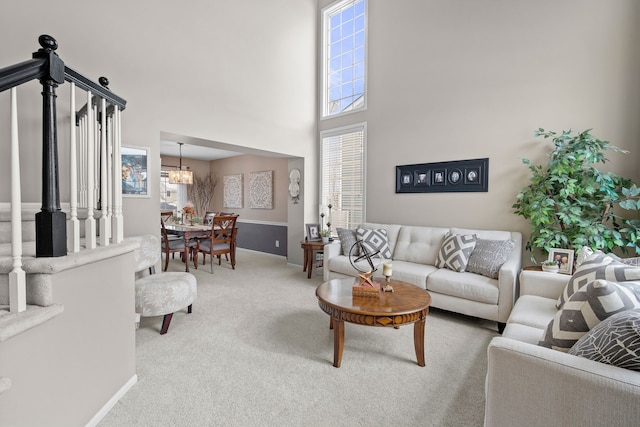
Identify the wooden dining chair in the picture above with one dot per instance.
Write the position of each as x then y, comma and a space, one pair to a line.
207, 219
170, 246
221, 242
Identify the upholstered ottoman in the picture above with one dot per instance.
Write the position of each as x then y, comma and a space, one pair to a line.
165, 293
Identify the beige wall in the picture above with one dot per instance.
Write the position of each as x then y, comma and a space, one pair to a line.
453, 80
245, 165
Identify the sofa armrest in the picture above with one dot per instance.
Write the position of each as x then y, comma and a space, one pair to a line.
542, 284
331, 250
508, 279
548, 387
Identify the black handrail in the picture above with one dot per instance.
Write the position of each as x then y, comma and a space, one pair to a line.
49, 69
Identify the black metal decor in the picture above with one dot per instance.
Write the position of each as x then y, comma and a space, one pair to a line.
444, 177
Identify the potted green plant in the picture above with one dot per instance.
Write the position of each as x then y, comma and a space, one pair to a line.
325, 234
570, 203
550, 266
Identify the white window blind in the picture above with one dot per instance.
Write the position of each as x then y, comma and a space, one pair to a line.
342, 180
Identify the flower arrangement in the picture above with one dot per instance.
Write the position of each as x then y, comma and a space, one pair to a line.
188, 210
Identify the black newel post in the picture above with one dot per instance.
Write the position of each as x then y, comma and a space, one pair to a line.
51, 221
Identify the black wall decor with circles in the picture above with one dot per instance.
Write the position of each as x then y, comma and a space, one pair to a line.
444, 177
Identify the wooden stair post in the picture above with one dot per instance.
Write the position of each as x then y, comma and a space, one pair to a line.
51, 221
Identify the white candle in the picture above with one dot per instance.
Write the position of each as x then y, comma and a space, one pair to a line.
386, 269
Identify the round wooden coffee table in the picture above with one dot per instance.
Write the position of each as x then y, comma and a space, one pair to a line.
407, 304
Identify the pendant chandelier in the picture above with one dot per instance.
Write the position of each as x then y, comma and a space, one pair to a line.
180, 176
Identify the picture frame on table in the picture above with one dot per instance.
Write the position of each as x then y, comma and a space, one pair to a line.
563, 258
313, 232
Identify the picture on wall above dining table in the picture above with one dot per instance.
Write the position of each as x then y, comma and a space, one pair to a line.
232, 191
134, 171
261, 190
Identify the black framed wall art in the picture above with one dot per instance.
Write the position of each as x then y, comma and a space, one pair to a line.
444, 177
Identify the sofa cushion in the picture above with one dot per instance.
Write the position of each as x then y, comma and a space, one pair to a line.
534, 311
587, 307
375, 241
598, 266
412, 272
419, 244
488, 256
469, 286
615, 341
455, 251
392, 232
347, 240
523, 333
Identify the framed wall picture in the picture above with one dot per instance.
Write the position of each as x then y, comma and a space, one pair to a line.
261, 190
232, 191
134, 172
313, 232
443, 177
563, 258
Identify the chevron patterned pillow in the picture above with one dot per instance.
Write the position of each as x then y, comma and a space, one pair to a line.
615, 341
375, 240
455, 251
598, 266
587, 307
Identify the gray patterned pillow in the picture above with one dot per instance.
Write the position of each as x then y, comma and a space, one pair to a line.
347, 240
615, 341
488, 256
590, 305
455, 251
598, 266
375, 240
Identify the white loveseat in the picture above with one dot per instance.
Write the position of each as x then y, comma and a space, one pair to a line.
414, 251
531, 385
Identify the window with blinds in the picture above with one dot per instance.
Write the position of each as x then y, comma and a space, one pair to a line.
342, 176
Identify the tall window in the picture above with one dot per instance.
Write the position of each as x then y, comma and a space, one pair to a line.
342, 176
344, 47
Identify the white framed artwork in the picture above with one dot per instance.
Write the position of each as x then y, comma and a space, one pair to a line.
232, 197
261, 190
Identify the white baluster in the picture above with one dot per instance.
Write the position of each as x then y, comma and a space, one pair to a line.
110, 174
104, 220
90, 222
74, 229
17, 277
118, 226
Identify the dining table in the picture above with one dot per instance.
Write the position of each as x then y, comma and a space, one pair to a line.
188, 232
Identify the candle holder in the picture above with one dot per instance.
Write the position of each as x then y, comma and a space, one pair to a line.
386, 272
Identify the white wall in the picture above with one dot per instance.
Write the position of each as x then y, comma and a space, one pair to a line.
459, 79
235, 72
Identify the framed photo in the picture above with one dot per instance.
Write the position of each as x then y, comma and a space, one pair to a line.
443, 177
563, 258
134, 172
313, 232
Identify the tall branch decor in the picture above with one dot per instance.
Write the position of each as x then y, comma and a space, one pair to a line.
201, 192
570, 203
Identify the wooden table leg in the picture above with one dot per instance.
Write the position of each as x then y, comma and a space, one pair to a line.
309, 262
185, 254
304, 267
418, 340
338, 341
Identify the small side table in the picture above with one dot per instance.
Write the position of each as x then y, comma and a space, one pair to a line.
533, 268
309, 248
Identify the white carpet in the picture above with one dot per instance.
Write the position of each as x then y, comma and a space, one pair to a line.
257, 351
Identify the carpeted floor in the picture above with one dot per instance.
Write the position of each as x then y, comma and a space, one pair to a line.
257, 351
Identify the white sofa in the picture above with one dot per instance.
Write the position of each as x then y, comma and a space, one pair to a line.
414, 250
533, 385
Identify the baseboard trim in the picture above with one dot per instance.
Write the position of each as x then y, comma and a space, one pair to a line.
112, 402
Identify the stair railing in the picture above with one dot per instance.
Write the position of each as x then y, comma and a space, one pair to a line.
94, 144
